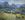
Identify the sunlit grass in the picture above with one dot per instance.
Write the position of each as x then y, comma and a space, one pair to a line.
7, 16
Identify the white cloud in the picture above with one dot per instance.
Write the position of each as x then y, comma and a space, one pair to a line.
18, 1
14, 1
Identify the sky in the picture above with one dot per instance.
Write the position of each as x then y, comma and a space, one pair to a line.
14, 1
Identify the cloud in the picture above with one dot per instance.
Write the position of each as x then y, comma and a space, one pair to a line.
14, 1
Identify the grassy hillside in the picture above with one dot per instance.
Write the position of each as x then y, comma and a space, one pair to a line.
6, 16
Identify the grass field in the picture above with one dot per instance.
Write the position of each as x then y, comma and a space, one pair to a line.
10, 17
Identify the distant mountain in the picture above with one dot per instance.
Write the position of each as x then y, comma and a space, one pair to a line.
8, 7
18, 5
22, 6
